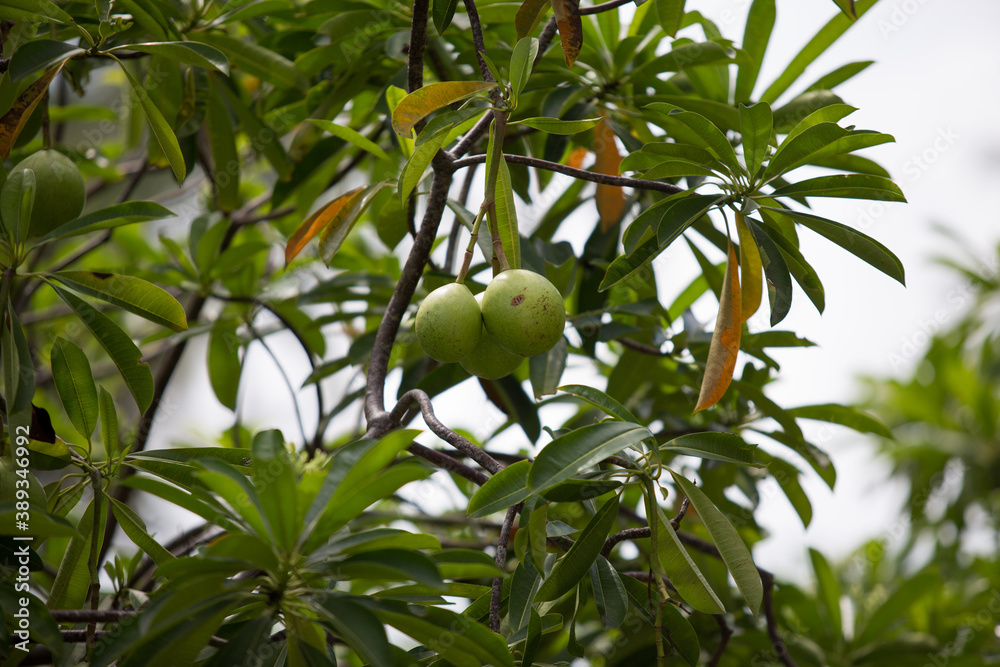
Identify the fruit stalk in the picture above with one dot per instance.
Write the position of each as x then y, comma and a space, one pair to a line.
467, 259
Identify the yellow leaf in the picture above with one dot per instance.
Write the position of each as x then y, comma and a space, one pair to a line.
725, 340
316, 222
610, 198
415, 106
751, 276
13, 121
527, 16
576, 157
570, 28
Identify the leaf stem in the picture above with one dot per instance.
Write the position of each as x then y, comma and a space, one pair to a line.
467, 259
494, 159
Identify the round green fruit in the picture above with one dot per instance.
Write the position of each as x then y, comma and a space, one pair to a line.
524, 312
488, 360
449, 323
59, 190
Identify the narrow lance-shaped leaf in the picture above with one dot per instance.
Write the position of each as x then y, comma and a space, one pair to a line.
126, 213
123, 352
755, 126
443, 11
353, 136
521, 60
756, 35
75, 385
333, 234
598, 398
130, 293
12, 122
225, 158
327, 214
470, 645
39, 54
682, 571
545, 370
162, 131
192, 53
779, 281
734, 551
504, 489
255, 59
751, 274
560, 126
828, 591
223, 361
421, 102
852, 186
609, 593
570, 27
573, 566
109, 423
725, 339
714, 445
610, 198
527, 15
133, 526
579, 449
506, 213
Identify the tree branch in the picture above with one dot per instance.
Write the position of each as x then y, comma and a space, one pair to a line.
477, 39
725, 633
640, 533
501, 561
445, 462
606, 179
418, 39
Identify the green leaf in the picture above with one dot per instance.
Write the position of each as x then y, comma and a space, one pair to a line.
522, 58
735, 553
797, 150
545, 370
573, 566
506, 214
840, 75
558, 125
443, 11
675, 169
206, 509
580, 449
119, 346
162, 131
225, 158
828, 593
420, 103
756, 35
504, 489
274, 472
37, 55
43, 524
192, 53
255, 59
233, 486
118, 215
716, 446
109, 423
898, 604
858, 244
523, 587
609, 593
75, 385
383, 538
844, 415
264, 139
820, 42
34, 11
353, 136
599, 399
389, 564
72, 582
466, 564
359, 628
458, 639
527, 15
416, 166
755, 126
684, 57
832, 113
852, 186
130, 293
787, 477
670, 15
676, 628
223, 360
134, 527
691, 128
779, 281
683, 573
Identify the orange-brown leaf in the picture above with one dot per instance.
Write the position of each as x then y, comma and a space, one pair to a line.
610, 198
725, 340
527, 16
315, 223
570, 28
415, 106
13, 121
751, 271
576, 157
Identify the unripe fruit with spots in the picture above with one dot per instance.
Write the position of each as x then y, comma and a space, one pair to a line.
59, 191
449, 323
523, 312
488, 360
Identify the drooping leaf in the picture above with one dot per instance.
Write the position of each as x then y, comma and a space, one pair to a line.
581, 448
735, 553
161, 129
715, 445
75, 385
670, 15
470, 645
828, 592
192, 53
223, 361
574, 565
682, 571
725, 339
443, 11
39, 54
418, 104
750, 271
225, 158
134, 527
255, 59
844, 415
852, 186
560, 126
598, 398
570, 26
109, 423
692, 128
126, 213
504, 489
609, 593
527, 15
264, 138
12, 122
676, 628
858, 244
506, 213
130, 293
545, 370
353, 136
360, 628
779, 281
34, 11
610, 198
123, 352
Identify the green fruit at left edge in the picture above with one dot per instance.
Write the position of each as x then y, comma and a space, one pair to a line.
59, 191
488, 360
449, 323
524, 312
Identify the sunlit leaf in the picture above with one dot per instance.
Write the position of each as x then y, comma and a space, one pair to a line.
725, 339
559, 126
333, 212
353, 136
670, 14
750, 271
573, 566
756, 35
129, 293
418, 104
579, 449
852, 186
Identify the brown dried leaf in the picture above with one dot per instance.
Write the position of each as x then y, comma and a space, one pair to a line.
316, 222
570, 28
610, 198
13, 121
725, 340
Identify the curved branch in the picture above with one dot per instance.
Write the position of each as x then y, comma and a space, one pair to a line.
604, 7
454, 439
582, 174
378, 419
445, 462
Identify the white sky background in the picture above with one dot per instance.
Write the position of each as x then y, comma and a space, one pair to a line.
934, 86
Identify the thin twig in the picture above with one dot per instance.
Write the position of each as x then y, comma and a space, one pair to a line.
582, 174
725, 632
642, 347
501, 561
445, 462
640, 533
777, 643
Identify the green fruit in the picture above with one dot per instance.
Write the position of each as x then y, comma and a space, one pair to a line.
488, 360
449, 323
59, 191
524, 312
